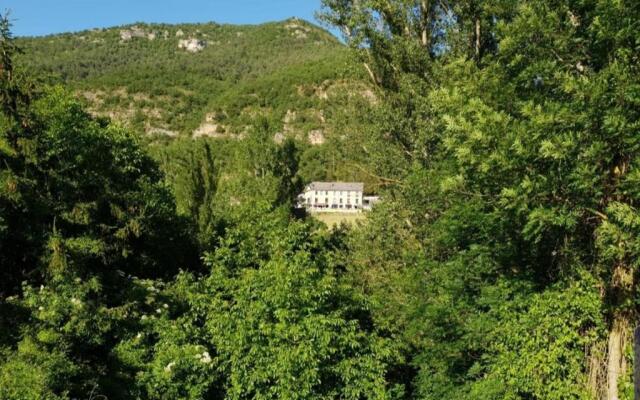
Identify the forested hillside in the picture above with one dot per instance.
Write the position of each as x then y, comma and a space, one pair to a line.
271, 82
143, 76
502, 262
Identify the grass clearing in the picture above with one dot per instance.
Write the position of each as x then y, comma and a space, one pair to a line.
334, 219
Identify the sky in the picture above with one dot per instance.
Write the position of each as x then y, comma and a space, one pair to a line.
43, 17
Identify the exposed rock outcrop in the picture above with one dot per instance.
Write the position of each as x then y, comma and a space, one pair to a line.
210, 130
133, 32
288, 120
297, 29
316, 137
192, 45
154, 131
279, 137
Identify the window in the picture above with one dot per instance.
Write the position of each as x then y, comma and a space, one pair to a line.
326, 200
316, 200
340, 201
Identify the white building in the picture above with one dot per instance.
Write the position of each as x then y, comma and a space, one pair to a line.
369, 201
332, 197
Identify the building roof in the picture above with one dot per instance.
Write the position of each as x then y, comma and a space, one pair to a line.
336, 186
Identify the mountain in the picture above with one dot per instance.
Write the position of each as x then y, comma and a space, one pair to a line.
205, 79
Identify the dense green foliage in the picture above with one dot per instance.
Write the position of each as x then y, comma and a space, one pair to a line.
244, 73
288, 80
512, 266
501, 264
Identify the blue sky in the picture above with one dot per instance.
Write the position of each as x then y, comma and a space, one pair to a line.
42, 17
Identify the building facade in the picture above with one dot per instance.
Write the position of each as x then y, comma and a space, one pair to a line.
332, 197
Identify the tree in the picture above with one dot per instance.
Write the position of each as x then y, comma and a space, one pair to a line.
192, 169
522, 189
394, 36
83, 209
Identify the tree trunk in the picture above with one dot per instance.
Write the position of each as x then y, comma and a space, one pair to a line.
615, 363
372, 75
426, 21
620, 290
478, 41
636, 363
